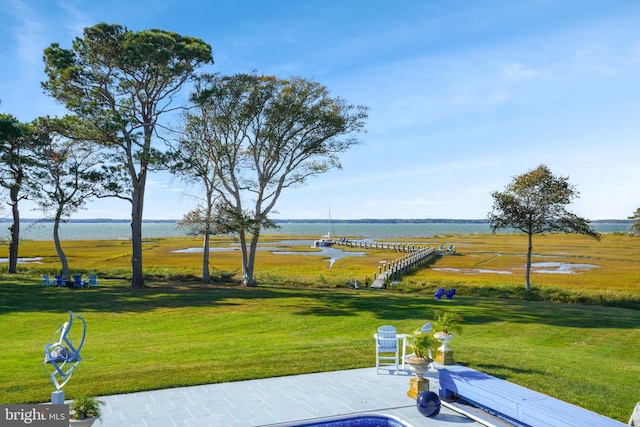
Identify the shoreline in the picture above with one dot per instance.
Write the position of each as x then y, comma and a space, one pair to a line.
304, 221
362, 229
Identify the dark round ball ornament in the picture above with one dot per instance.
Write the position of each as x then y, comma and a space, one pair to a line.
428, 404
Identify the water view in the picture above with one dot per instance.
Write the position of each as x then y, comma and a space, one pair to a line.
366, 230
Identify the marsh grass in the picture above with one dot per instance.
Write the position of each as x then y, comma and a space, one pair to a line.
301, 319
495, 265
486, 265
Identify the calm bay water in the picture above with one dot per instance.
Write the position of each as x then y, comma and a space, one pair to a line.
379, 231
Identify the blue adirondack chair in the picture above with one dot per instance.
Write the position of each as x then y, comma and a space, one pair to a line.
450, 293
77, 281
59, 281
387, 349
93, 281
425, 329
46, 281
439, 293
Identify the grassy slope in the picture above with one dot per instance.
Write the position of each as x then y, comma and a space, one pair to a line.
185, 333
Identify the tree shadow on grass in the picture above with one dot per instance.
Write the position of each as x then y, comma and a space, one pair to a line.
117, 299
475, 311
383, 305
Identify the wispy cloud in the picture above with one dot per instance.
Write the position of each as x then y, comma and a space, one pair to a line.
518, 71
461, 99
28, 32
76, 20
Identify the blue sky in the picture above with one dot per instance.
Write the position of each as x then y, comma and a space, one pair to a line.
463, 95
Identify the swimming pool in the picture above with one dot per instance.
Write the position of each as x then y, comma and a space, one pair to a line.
361, 420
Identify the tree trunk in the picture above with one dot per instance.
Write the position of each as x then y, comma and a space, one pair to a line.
251, 259
61, 255
206, 275
14, 230
248, 257
529, 251
247, 269
137, 202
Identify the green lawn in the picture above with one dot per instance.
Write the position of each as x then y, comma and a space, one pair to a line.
167, 336
303, 319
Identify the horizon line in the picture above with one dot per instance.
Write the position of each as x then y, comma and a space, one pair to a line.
323, 220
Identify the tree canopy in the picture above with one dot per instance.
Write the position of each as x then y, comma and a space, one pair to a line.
266, 134
536, 202
18, 142
119, 83
70, 174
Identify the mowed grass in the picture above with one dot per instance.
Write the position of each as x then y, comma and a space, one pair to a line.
302, 319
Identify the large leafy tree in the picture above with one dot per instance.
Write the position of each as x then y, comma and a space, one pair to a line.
193, 161
71, 173
536, 202
120, 83
267, 134
17, 162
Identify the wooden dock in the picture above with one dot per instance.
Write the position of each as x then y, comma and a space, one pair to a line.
414, 256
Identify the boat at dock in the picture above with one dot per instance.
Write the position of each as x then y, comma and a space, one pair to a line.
324, 241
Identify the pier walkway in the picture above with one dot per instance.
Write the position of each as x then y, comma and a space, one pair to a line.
414, 256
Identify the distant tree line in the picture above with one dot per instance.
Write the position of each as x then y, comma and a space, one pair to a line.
424, 221
629, 221
389, 221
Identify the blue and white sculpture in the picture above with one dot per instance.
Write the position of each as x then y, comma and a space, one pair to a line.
62, 354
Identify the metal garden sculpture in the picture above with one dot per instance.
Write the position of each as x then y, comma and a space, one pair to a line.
62, 353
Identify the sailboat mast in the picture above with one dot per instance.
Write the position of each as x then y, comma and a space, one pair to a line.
333, 231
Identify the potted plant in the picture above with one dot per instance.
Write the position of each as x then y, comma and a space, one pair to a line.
420, 344
449, 323
85, 410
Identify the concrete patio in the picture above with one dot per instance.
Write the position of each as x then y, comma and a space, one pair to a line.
283, 399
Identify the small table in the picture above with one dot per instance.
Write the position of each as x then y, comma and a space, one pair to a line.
404, 346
